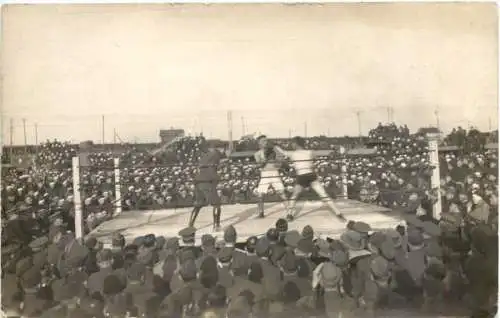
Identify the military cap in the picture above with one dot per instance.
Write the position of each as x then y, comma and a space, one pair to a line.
105, 255
361, 227
339, 258
23, 265
136, 272
431, 229
112, 285
138, 241
230, 234
207, 240
292, 238
149, 240
352, 240
387, 250
187, 234
31, 278
251, 242
188, 271
272, 235
308, 232
305, 246
330, 275
172, 244
39, 243
117, 240
160, 242
415, 237
433, 249
413, 221
379, 267
262, 247
281, 225
225, 255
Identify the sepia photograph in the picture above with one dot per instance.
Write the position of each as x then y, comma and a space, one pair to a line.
249, 160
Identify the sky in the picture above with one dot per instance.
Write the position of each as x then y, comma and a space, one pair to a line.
280, 69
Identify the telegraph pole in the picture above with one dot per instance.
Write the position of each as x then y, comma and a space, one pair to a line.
388, 114
114, 136
305, 129
289, 133
358, 114
436, 113
489, 123
230, 129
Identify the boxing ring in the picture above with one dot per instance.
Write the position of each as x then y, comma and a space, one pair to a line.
243, 217
168, 222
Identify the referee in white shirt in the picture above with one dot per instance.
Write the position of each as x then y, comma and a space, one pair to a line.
302, 161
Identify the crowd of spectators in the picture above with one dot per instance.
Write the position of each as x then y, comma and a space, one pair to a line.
396, 176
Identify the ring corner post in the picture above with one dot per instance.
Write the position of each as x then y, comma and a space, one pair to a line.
77, 198
118, 192
433, 142
343, 173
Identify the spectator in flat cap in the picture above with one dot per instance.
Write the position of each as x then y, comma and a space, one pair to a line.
188, 240
416, 256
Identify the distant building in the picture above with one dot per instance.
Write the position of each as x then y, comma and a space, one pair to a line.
167, 135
